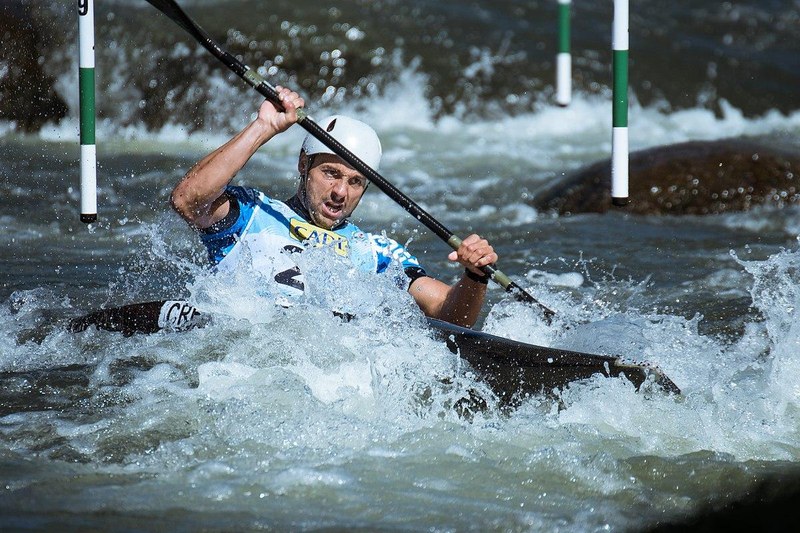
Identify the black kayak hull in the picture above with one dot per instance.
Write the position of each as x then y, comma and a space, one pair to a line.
515, 369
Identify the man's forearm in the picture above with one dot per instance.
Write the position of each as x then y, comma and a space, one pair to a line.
194, 197
463, 302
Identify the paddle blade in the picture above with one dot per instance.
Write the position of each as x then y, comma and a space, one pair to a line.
173, 11
146, 317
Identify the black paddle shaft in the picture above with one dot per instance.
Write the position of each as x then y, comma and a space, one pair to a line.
173, 11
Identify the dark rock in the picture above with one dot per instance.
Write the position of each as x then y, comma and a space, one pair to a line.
27, 96
768, 506
692, 178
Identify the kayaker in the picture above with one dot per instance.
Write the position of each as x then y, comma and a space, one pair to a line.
236, 221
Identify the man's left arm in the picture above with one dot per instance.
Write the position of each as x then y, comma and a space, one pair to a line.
459, 303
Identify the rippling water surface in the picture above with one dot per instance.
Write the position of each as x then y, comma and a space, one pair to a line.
291, 420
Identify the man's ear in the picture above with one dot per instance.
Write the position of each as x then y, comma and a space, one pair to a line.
303, 164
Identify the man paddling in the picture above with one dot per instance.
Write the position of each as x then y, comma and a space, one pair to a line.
232, 219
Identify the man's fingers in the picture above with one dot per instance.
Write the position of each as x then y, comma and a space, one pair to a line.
475, 252
290, 99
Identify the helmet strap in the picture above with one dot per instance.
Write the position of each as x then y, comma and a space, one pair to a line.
303, 188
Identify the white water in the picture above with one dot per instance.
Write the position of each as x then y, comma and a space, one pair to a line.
291, 419
295, 417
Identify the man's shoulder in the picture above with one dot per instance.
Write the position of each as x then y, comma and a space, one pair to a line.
256, 198
247, 195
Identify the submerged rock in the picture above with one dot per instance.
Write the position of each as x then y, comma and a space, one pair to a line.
692, 178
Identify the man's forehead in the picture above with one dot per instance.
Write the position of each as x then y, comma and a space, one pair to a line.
332, 159
329, 158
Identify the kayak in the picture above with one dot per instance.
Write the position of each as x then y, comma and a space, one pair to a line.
513, 369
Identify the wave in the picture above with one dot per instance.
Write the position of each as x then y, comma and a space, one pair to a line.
401, 112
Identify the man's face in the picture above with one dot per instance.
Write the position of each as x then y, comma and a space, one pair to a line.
333, 189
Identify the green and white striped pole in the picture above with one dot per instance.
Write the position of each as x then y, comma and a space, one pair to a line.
86, 97
619, 135
564, 56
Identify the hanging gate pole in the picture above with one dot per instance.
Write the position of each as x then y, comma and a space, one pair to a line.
87, 111
619, 135
564, 56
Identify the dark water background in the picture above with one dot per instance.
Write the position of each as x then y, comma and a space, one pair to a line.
477, 58
281, 421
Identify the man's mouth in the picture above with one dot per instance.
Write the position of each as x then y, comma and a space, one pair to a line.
333, 209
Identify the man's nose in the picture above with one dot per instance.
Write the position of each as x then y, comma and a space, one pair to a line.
339, 188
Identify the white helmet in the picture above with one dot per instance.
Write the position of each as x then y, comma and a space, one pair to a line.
356, 136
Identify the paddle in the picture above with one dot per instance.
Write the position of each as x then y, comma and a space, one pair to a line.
173, 11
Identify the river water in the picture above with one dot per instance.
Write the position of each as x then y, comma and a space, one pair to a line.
291, 420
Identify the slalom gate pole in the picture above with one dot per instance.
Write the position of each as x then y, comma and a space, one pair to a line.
87, 111
564, 56
619, 134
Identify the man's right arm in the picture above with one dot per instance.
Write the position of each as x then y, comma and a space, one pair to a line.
460, 303
199, 197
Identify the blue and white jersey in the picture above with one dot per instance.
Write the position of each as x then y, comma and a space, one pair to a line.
268, 232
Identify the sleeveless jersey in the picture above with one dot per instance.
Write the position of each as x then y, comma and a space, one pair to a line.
268, 231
